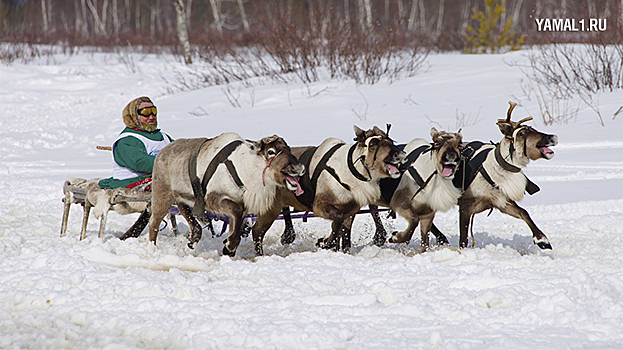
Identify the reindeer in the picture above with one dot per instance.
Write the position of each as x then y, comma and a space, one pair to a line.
247, 181
424, 187
495, 180
340, 180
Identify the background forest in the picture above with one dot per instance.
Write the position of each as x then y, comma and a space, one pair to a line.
439, 24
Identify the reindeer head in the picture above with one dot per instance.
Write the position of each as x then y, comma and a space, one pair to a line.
379, 154
447, 150
524, 142
281, 166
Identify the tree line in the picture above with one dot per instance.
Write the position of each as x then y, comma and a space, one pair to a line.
438, 23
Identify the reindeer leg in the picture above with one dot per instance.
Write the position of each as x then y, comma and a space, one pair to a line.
138, 226
332, 213
345, 233
288, 236
518, 212
263, 224
465, 213
425, 224
159, 209
196, 231
380, 236
441, 238
236, 216
405, 236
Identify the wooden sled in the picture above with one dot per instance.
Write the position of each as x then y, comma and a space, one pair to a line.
88, 194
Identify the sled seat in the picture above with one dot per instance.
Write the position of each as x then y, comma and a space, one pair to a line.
88, 194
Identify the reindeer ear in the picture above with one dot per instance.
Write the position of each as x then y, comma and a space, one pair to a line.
360, 135
377, 131
506, 129
433, 133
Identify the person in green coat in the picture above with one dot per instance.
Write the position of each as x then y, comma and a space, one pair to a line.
136, 147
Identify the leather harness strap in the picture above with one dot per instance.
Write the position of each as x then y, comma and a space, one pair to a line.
199, 188
472, 165
351, 165
309, 183
389, 185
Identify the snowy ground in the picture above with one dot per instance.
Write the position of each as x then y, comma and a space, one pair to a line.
60, 292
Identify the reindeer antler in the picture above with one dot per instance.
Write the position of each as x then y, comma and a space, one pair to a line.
508, 121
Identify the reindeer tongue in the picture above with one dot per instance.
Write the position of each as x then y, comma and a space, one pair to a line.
545, 150
293, 180
391, 169
447, 170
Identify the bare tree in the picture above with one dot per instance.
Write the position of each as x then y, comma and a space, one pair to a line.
99, 25
243, 16
216, 13
182, 31
440, 16
46, 14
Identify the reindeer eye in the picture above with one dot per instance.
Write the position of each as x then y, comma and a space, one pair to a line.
271, 152
522, 133
374, 142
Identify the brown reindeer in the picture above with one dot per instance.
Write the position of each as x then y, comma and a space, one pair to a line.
237, 177
495, 180
424, 187
340, 180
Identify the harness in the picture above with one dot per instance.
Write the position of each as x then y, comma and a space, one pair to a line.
199, 188
309, 184
471, 165
389, 185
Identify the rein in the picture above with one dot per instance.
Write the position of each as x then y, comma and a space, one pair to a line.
268, 162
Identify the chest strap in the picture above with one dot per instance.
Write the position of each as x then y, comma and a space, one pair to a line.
199, 188
472, 165
389, 185
308, 183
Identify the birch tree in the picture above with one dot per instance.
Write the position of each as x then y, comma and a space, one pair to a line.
182, 31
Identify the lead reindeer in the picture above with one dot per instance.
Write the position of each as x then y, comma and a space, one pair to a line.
237, 177
495, 180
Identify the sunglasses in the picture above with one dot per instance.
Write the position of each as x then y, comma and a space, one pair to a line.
147, 111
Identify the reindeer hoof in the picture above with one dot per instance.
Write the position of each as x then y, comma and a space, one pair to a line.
191, 245
379, 241
392, 239
228, 252
442, 240
544, 245
324, 244
288, 236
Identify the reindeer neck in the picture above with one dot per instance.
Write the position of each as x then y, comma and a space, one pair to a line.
357, 164
508, 156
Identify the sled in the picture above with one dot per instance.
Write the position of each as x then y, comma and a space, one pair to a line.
88, 194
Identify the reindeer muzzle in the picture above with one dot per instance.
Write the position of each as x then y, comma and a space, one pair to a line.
450, 161
548, 141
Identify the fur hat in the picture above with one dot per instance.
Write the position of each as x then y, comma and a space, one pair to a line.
130, 115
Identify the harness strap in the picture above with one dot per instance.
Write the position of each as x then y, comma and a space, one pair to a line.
484, 174
221, 157
322, 165
420, 182
470, 165
503, 163
389, 185
351, 165
413, 156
